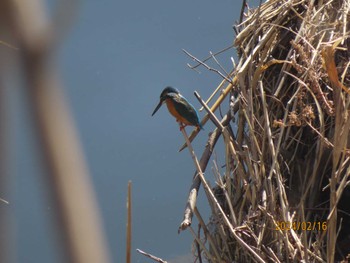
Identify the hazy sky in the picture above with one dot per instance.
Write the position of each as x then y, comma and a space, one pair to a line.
114, 62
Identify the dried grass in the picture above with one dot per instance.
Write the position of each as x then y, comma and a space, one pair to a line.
288, 162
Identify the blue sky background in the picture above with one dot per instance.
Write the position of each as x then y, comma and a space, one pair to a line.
114, 62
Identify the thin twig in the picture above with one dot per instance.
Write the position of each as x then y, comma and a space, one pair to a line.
206, 66
157, 259
208, 58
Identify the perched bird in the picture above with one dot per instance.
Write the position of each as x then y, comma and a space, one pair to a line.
179, 107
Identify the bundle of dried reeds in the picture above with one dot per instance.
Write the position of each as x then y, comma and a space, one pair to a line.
284, 194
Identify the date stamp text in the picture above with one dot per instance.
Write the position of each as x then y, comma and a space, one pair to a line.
305, 226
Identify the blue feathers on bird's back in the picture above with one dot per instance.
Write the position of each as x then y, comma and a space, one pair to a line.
185, 109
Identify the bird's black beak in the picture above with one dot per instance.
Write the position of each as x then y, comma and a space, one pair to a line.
158, 106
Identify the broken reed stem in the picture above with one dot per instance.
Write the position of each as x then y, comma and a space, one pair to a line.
191, 203
196, 182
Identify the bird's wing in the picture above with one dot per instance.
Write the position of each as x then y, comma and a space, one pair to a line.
185, 109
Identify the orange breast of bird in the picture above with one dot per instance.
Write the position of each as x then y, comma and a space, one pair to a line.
173, 111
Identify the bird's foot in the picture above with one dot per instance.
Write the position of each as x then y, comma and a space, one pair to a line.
182, 126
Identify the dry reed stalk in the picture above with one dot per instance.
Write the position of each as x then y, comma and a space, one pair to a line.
67, 175
283, 196
6, 213
128, 225
6, 239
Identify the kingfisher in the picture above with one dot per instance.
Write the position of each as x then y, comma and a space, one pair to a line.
179, 107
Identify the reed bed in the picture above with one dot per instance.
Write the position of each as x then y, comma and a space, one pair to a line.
284, 194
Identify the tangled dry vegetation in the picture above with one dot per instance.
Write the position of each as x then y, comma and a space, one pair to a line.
285, 193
